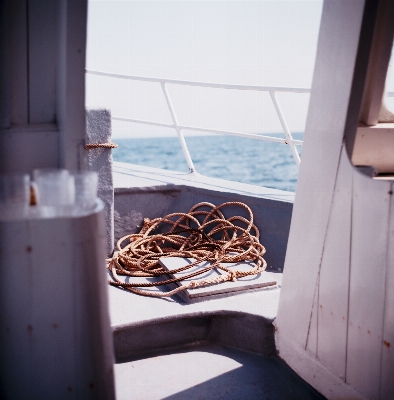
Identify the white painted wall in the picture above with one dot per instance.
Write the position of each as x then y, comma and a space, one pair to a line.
55, 335
42, 89
335, 320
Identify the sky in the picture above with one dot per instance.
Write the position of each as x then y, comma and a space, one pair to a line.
261, 42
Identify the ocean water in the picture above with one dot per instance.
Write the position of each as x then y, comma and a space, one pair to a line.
227, 157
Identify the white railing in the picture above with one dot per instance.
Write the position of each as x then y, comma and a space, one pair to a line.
179, 128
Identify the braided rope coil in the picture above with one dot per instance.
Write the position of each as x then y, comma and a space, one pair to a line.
91, 146
203, 234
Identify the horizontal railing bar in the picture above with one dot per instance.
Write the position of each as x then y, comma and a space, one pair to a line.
145, 122
203, 84
208, 130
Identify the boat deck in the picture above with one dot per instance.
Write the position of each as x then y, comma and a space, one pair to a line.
221, 348
209, 371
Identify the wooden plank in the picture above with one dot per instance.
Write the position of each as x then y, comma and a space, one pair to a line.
382, 44
334, 276
43, 45
329, 111
55, 330
229, 288
22, 150
15, 317
18, 61
71, 83
387, 380
370, 212
312, 339
54, 306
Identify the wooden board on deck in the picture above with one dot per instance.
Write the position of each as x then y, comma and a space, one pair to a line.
260, 281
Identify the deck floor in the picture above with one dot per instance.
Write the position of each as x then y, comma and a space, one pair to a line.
202, 368
209, 371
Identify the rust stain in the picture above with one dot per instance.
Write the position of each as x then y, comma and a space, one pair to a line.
91, 385
29, 249
29, 328
321, 306
54, 326
369, 332
343, 318
387, 344
70, 389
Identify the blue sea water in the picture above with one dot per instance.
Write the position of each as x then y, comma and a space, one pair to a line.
227, 157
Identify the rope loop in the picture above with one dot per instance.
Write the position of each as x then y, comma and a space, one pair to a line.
202, 234
91, 146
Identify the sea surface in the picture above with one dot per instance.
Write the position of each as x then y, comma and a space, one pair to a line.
227, 157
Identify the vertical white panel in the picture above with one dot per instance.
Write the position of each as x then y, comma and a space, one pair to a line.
53, 305
387, 383
92, 293
334, 276
55, 333
71, 82
43, 44
370, 212
328, 112
18, 61
15, 317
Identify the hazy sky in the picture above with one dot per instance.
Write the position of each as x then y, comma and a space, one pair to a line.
258, 42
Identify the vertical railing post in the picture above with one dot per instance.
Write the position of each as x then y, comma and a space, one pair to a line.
178, 129
285, 128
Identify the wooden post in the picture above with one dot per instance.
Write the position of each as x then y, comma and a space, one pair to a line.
98, 130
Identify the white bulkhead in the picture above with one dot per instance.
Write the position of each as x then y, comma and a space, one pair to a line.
335, 324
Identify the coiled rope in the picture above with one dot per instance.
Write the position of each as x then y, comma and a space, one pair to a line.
190, 235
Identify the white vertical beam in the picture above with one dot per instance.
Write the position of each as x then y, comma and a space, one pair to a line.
367, 284
13, 63
43, 44
71, 82
387, 381
334, 276
378, 64
327, 116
